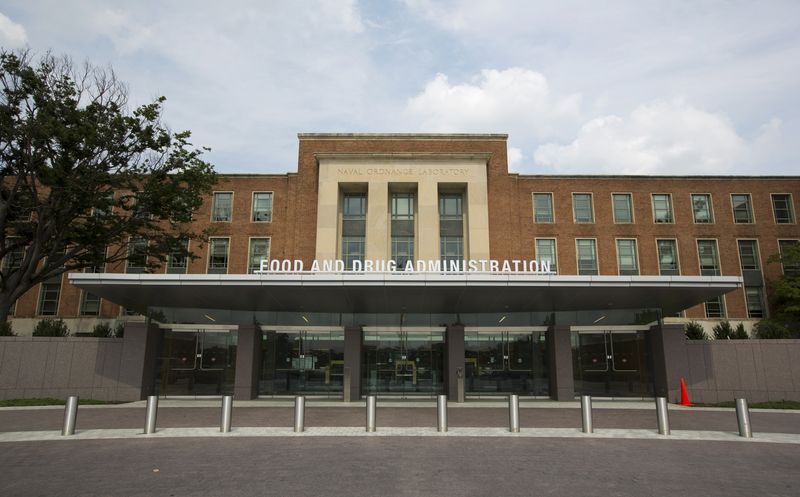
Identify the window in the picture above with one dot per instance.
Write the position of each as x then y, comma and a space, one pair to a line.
715, 308
451, 228
754, 296
218, 256
105, 205
783, 247
701, 207
587, 256
543, 207
748, 255
623, 208
352, 250
452, 248
782, 208
90, 304
450, 207
402, 219
141, 209
668, 258
546, 252
262, 207
402, 206
626, 257
662, 208
259, 250
742, 208
354, 223
582, 208
137, 256
222, 210
177, 261
49, 295
709, 258
14, 257
402, 251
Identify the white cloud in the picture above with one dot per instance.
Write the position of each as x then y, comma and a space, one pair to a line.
514, 158
12, 35
662, 137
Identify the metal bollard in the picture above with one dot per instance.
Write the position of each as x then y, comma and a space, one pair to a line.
743, 417
150, 415
586, 413
513, 413
70, 415
299, 413
371, 412
441, 413
227, 411
662, 413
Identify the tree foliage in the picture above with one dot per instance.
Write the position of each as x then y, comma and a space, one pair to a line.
740, 333
723, 330
51, 328
83, 176
695, 331
771, 330
786, 290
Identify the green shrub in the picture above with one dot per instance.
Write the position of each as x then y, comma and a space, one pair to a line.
723, 330
694, 331
739, 333
119, 330
767, 329
102, 330
6, 331
51, 328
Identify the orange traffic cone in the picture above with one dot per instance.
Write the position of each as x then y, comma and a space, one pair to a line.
684, 395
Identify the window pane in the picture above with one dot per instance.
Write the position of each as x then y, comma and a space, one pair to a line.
177, 261
582, 207
402, 250
667, 257
90, 304
755, 301
137, 256
784, 247
354, 206
748, 255
450, 207
262, 207
626, 257
701, 204
715, 308
709, 260
587, 257
742, 209
221, 210
218, 256
403, 206
623, 212
49, 295
352, 250
662, 208
543, 207
259, 249
452, 248
546, 252
782, 206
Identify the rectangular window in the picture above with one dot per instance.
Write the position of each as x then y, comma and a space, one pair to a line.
178, 261
402, 251
755, 302
783, 247
402, 206
259, 249
662, 208
137, 256
452, 248
90, 304
14, 257
354, 225
742, 208
582, 208
709, 257
543, 207
783, 208
262, 207
623, 208
402, 214
49, 295
587, 256
748, 255
218, 255
222, 209
668, 258
715, 308
626, 257
701, 207
451, 228
546, 252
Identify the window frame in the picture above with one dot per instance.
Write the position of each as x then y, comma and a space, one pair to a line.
792, 216
677, 256
552, 207
761, 302
711, 217
227, 254
40, 298
131, 241
671, 208
214, 206
635, 255
82, 304
253, 206
630, 205
591, 208
716, 253
752, 212
793, 271
757, 254
250, 251
185, 266
596, 258
723, 309
554, 267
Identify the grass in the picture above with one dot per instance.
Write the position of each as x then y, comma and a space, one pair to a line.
774, 404
47, 402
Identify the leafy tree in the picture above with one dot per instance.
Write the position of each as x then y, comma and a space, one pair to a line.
739, 333
82, 176
786, 290
6, 330
695, 331
770, 329
51, 328
102, 330
723, 330
119, 330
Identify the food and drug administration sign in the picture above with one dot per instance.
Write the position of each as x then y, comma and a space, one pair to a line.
420, 266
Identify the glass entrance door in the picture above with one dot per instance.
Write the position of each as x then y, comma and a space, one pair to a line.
611, 364
503, 362
403, 363
302, 362
197, 363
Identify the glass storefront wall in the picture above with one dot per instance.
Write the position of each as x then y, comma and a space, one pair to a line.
301, 362
403, 363
505, 362
197, 363
612, 363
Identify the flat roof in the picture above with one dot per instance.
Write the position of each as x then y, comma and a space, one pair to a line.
404, 292
403, 136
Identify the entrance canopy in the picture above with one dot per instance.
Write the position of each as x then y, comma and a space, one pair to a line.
404, 292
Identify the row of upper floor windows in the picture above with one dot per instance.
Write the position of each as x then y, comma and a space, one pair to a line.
260, 207
662, 208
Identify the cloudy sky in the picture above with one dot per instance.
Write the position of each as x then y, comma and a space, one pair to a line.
635, 87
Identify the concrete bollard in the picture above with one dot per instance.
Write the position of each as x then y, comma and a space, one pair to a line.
150, 415
227, 412
299, 414
586, 413
70, 415
743, 417
513, 413
441, 413
371, 413
662, 414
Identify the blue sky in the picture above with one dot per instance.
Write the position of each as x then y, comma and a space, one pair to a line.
637, 87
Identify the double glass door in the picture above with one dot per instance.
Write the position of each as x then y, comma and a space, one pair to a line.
403, 363
302, 362
503, 362
197, 363
611, 364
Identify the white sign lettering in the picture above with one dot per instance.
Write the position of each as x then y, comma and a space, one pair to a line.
420, 266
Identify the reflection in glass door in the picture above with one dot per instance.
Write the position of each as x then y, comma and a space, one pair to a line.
302, 362
403, 363
503, 362
612, 364
197, 363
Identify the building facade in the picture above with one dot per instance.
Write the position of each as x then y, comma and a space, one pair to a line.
543, 285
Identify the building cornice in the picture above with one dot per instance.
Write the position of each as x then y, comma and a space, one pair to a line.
403, 156
405, 136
